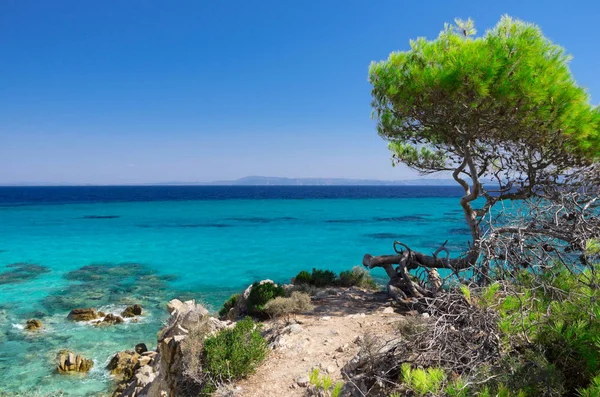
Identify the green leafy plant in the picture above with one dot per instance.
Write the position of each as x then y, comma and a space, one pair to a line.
234, 353
260, 294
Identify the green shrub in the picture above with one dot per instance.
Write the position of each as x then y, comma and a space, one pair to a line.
358, 277
326, 278
229, 304
303, 277
323, 278
260, 294
555, 328
298, 302
234, 353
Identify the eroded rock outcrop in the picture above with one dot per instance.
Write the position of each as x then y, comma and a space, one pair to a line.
83, 314
69, 362
132, 311
33, 324
160, 373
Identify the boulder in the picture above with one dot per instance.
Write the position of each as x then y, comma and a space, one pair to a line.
83, 315
110, 319
67, 361
141, 348
132, 311
123, 364
180, 307
33, 324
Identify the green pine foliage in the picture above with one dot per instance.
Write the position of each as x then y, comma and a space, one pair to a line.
423, 381
511, 86
323, 384
553, 321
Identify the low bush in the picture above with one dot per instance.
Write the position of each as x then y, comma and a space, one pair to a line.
358, 277
260, 294
323, 278
228, 305
303, 277
233, 353
298, 302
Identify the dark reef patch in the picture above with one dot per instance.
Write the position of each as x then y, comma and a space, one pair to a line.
460, 231
345, 221
187, 225
198, 225
110, 284
386, 236
257, 219
100, 217
22, 272
407, 218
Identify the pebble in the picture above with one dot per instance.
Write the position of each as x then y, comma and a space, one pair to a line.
388, 310
342, 348
325, 318
425, 315
303, 381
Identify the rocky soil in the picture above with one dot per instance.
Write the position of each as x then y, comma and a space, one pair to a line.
329, 337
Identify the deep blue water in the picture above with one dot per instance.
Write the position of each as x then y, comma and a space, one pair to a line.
16, 196
106, 247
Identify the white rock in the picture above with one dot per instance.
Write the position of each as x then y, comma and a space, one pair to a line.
325, 318
292, 329
175, 305
388, 310
303, 381
425, 315
342, 348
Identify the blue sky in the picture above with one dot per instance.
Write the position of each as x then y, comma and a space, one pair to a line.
150, 91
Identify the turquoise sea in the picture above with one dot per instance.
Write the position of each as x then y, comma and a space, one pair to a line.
106, 247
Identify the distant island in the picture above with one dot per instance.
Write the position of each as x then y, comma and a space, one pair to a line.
279, 181
269, 181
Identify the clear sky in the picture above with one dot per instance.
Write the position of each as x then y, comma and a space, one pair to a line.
148, 91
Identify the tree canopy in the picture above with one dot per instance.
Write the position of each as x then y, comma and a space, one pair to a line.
502, 107
507, 93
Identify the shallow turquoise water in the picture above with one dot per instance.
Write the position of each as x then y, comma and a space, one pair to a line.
208, 249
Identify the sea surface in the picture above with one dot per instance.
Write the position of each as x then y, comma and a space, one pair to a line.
107, 247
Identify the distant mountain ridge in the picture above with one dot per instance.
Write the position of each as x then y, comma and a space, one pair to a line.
280, 181
268, 181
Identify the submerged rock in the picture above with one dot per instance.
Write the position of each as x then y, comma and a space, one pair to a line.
21, 272
132, 311
83, 314
110, 319
33, 324
67, 361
